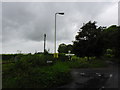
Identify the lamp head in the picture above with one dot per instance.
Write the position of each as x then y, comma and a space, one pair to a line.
61, 13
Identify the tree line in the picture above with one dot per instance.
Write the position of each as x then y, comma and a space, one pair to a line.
92, 40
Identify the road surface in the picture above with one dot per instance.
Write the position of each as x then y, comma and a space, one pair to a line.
95, 77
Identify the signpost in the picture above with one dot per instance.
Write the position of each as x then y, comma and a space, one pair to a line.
69, 54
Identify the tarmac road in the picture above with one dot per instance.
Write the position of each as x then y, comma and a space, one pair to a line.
95, 78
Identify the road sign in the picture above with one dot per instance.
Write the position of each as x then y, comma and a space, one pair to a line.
69, 54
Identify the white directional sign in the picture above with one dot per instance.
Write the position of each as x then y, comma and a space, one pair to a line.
69, 54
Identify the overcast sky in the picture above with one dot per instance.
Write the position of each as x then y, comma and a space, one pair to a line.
24, 24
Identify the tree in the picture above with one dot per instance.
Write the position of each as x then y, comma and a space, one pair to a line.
118, 42
70, 48
88, 41
112, 39
62, 48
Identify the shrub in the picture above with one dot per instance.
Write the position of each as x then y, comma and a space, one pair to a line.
36, 60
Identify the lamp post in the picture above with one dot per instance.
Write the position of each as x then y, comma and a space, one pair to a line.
55, 55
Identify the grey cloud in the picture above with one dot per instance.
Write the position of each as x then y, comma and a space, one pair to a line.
16, 12
0, 25
119, 13
30, 21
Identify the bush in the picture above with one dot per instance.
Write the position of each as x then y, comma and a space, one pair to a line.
36, 60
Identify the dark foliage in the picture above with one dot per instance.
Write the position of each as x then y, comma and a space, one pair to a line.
111, 36
89, 41
63, 48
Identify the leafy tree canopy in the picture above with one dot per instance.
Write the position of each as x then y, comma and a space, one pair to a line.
88, 41
63, 48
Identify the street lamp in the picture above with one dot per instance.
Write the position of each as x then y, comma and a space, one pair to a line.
55, 55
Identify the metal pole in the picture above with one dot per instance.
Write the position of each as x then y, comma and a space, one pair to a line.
55, 33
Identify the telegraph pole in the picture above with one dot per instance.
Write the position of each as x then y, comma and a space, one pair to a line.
44, 42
